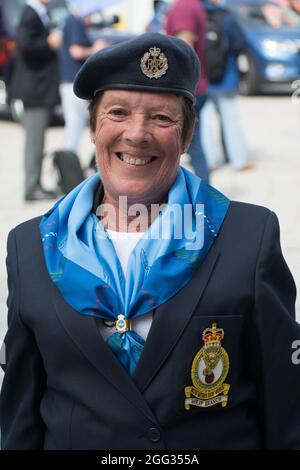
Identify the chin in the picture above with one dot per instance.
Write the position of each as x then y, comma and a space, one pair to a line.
139, 193
143, 194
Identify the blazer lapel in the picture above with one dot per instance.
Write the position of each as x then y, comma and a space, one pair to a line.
84, 332
169, 322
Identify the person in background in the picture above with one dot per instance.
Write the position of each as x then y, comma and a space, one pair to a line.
35, 81
294, 5
222, 92
76, 48
156, 24
186, 20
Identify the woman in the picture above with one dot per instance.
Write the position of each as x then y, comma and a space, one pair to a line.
146, 310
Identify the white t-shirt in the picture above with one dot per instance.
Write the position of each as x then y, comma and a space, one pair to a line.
124, 243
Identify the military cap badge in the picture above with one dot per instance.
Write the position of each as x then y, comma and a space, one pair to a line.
209, 370
154, 63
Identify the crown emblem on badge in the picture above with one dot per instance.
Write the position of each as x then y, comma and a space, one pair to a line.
213, 335
154, 51
154, 64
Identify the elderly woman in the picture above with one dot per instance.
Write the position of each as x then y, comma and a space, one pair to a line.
146, 310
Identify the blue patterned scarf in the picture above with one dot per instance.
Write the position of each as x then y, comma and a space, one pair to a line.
82, 262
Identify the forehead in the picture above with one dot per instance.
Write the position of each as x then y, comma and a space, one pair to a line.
141, 99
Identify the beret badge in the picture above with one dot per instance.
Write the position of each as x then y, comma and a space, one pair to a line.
154, 64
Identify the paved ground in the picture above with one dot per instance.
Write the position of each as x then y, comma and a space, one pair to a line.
272, 127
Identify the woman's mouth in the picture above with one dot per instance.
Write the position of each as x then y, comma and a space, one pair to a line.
135, 161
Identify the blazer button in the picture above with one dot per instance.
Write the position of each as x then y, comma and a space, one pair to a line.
154, 435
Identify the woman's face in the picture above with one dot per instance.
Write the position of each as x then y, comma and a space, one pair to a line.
138, 144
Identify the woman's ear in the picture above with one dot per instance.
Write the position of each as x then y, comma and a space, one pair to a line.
92, 136
188, 140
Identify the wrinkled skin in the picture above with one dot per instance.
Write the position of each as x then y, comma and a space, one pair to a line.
143, 126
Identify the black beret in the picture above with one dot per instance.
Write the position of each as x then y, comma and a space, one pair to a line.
149, 62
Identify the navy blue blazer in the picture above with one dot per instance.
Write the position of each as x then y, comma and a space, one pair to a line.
64, 388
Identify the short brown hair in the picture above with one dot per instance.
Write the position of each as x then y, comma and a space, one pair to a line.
188, 111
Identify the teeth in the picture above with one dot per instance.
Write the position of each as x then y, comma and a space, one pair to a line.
134, 161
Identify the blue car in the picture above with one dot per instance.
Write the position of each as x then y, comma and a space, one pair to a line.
270, 61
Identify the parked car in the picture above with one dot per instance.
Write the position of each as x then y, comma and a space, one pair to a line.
99, 26
270, 61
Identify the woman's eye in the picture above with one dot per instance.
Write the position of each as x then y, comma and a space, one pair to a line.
162, 118
119, 113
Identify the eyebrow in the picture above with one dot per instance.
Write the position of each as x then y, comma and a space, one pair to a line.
117, 100
123, 102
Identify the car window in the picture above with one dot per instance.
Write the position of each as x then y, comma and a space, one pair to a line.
267, 14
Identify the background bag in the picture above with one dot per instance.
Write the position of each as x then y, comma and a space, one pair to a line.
216, 46
69, 169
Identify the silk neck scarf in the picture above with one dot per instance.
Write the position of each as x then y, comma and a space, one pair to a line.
82, 262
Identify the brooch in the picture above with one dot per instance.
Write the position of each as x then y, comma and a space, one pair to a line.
121, 325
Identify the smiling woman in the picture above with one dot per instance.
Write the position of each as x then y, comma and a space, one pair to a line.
138, 139
127, 332
188, 115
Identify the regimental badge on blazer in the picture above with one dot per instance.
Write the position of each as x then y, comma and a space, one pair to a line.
209, 370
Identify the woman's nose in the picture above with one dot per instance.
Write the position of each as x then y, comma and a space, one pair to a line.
138, 130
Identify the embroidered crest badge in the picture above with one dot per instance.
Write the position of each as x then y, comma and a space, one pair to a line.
154, 63
209, 370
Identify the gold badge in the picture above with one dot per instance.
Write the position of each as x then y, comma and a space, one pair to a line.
122, 325
154, 63
209, 370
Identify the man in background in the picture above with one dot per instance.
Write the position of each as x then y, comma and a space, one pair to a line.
35, 82
224, 42
187, 20
76, 48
